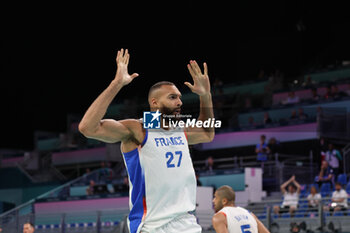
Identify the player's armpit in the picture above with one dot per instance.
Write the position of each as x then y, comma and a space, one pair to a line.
112, 131
220, 223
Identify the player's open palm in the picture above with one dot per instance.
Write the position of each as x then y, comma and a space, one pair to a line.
123, 75
201, 84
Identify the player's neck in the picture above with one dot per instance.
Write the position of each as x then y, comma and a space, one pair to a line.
230, 205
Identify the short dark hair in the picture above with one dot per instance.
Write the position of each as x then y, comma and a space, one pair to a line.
227, 192
158, 85
29, 223
338, 183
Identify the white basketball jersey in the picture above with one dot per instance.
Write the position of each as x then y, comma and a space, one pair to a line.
162, 180
239, 220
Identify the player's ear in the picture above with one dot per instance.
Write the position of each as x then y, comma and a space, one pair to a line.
224, 201
154, 102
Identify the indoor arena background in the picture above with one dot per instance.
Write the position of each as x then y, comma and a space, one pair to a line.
276, 69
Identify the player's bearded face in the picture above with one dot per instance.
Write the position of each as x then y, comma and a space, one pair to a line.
217, 203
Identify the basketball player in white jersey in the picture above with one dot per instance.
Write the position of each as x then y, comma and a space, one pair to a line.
161, 175
232, 219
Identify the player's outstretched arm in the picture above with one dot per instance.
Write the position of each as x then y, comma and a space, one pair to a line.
201, 87
219, 223
108, 130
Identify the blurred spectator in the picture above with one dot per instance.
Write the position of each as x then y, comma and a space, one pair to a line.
293, 115
301, 114
123, 187
110, 171
326, 174
329, 94
90, 189
291, 197
274, 146
336, 93
28, 227
275, 81
262, 149
86, 176
63, 141
314, 95
314, 198
267, 119
319, 113
320, 150
292, 98
308, 83
105, 172
333, 158
209, 164
339, 201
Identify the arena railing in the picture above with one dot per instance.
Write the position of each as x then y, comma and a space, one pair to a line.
278, 167
12, 220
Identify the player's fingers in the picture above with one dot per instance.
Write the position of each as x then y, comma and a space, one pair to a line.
196, 67
118, 56
205, 68
127, 56
121, 55
189, 67
134, 75
192, 64
189, 85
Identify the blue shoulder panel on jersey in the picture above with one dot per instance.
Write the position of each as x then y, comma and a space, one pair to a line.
145, 139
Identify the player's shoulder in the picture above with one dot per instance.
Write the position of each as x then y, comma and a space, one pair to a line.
134, 125
241, 209
219, 217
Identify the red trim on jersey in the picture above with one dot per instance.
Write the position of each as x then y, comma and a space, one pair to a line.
222, 213
144, 208
186, 135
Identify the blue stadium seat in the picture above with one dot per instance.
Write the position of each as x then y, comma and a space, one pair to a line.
347, 188
342, 179
338, 214
303, 190
325, 189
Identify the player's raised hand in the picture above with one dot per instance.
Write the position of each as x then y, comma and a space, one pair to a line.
122, 75
201, 84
